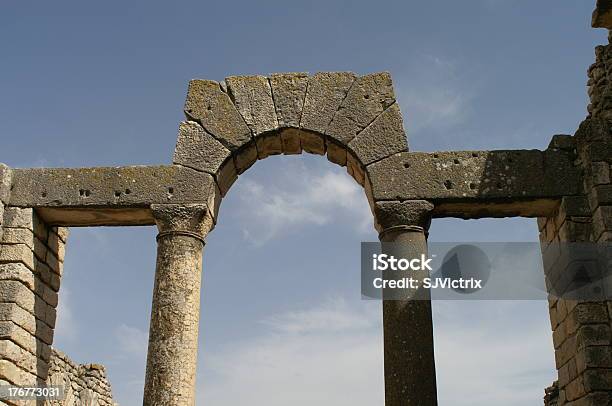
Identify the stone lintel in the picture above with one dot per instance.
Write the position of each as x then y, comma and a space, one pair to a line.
467, 184
110, 195
472, 184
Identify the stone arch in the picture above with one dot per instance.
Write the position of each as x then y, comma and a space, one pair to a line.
354, 120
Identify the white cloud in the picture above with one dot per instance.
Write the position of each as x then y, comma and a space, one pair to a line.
300, 197
333, 316
331, 354
132, 341
486, 352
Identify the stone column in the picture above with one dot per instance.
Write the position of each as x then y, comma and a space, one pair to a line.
410, 375
173, 333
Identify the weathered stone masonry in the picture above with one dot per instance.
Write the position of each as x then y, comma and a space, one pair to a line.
85, 384
355, 122
582, 334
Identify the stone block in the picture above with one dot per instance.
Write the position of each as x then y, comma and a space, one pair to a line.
289, 91
245, 157
594, 357
16, 375
13, 332
63, 233
573, 231
601, 173
199, 150
40, 250
23, 359
474, 176
210, 106
554, 320
355, 169
565, 352
567, 373
16, 217
96, 194
14, 291
47, 276
290, 140
312, 142
5, 183
595, 399
600, 195
560, 335
54, 263
383, 137
602, 15
324, 95
592, 335
575, 389
336, 153
57, 246
18, 236
602, 221
269, 144
18, 272
17, 253
252, 97
597, 151
590, 313
597, 380
227, 176
367, 98
13, 312
574, 206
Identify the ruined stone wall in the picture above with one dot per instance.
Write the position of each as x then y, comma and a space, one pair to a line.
582, 334
600, 83
85, 385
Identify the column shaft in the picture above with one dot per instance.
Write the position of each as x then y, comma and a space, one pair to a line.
173, 334
410, 374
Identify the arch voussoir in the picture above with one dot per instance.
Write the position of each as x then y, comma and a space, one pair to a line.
252, 96
367, 98
325, 94
384, 137
289, 94
211, 107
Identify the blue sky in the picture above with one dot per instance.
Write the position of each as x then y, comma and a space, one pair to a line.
86, 84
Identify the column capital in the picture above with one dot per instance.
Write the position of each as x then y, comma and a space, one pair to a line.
188, 219
409, 213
